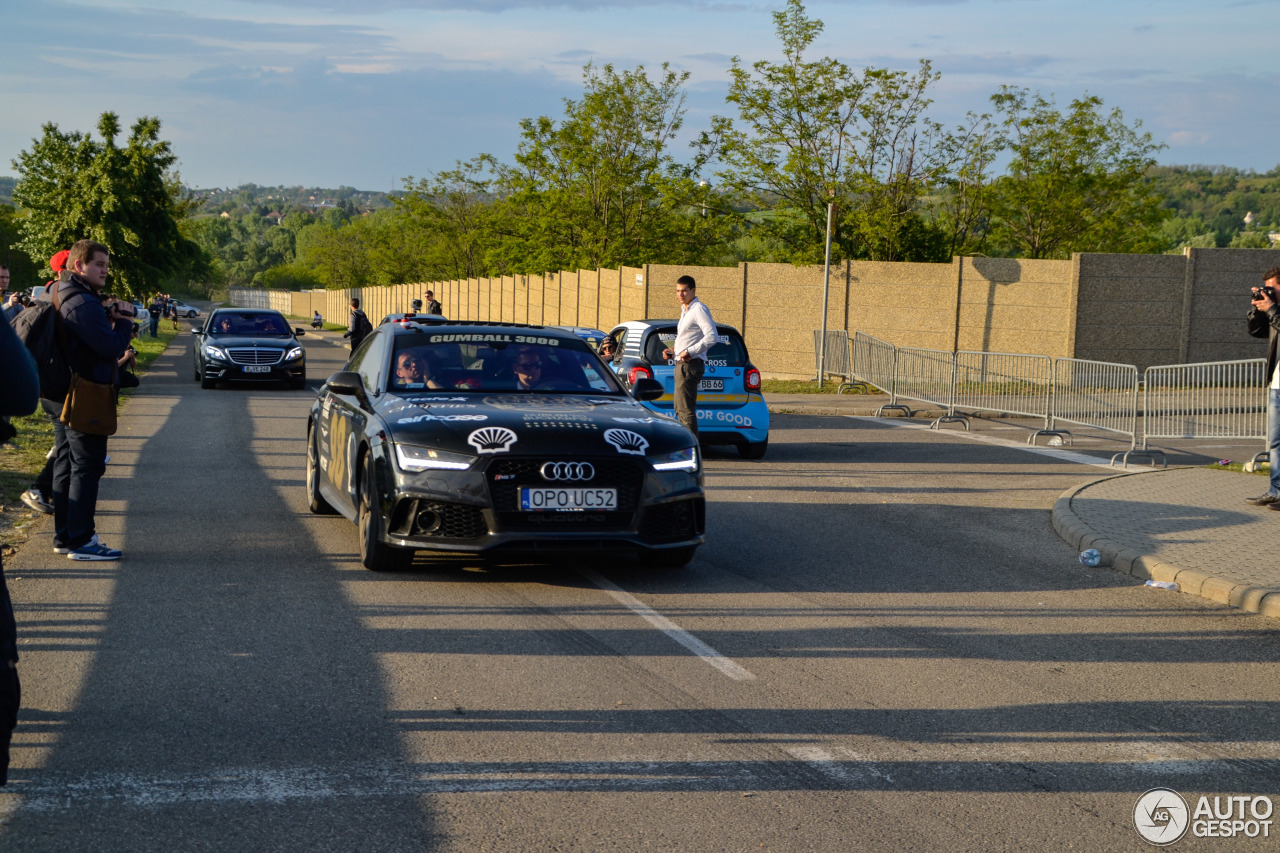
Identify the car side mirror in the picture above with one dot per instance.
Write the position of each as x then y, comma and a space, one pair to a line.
646, 389
297, 333
197, 328
348, 383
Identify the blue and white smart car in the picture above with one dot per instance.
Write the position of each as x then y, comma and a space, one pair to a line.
731, 409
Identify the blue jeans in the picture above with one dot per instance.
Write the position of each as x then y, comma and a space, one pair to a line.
79, 461
155, 322
1273, 437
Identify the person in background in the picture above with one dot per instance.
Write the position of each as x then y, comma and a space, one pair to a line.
358, 326
154, 309
19, 393
316, 320
9, 302
96, 339
695, 334
1264, 322
433, 305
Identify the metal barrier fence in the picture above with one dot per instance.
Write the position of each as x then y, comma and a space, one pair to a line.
871, 361
1208, 400
837, 359
1219, 399
1007, 383
927, 376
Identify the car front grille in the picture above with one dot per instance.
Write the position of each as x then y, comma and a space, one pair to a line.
506, 477
256, 355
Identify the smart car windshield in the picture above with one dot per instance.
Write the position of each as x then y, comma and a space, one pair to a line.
515, 361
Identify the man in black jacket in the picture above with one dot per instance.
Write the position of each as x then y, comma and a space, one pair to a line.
358, 327
96, 340
1264, 322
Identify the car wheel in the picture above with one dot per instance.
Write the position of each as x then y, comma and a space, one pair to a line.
190, 314
753, 450
375, 555
315, 501
195, 371
672, 558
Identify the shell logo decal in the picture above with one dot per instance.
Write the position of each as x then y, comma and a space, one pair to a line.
626, 441
492, 439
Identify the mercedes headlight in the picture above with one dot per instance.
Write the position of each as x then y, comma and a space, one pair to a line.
296, 352
211, 351
413, 458
681, 460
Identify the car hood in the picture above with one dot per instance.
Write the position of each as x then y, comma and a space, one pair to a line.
492, 424
244, 341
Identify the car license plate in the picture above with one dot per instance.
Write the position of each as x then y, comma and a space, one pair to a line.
257, 368
568, 500
711, 385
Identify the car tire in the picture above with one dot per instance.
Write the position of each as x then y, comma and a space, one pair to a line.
195, 373
671, 558
753, 450
315, 501
375, 555
190, 314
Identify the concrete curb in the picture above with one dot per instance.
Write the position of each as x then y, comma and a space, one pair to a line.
1071, 529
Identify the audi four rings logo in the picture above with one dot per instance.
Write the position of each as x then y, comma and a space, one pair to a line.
567, 471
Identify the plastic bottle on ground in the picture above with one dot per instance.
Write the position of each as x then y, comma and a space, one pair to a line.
1163, 585
1091, 557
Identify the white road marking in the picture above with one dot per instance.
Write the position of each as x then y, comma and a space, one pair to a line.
671, 629
1053, 452
851, 769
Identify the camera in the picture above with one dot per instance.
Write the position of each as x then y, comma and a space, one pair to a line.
1260, 292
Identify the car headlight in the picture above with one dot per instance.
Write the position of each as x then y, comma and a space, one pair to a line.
413, 458
681, 460
296, 352
211, 351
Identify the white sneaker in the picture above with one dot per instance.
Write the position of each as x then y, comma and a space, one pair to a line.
35, 500
64, 550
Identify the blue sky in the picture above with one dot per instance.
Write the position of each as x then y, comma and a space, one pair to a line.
368, 92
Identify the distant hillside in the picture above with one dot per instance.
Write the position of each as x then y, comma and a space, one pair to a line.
247, 197
6, 189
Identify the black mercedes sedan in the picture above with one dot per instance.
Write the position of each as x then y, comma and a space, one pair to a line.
499, 438
249, 345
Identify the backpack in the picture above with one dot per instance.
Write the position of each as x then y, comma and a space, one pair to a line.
363, 328
38, 326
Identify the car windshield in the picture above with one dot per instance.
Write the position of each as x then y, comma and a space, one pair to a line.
517, 361
248, 325
727, 351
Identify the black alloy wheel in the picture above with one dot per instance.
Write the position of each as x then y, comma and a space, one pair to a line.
375, 555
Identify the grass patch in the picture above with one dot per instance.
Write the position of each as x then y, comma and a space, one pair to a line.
1263, 469
804, 386
23, 457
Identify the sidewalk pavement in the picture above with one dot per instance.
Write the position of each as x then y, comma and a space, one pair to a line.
1190, 525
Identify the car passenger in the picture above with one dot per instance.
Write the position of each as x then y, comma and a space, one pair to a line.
412, 371
225, 326
527, 370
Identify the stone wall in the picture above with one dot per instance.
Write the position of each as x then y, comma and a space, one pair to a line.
1132, 309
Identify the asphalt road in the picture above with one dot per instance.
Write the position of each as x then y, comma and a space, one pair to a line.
883, 646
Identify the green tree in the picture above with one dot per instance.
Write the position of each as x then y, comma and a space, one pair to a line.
452, 221
1076, 181
810, 132
600, 187
127, 198
23, 271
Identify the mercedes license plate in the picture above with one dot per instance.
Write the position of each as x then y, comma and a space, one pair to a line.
257, 368
711, 385
568, 500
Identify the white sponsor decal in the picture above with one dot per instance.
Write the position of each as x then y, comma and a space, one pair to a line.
492, 440
626, 441
418, 399
636, 420
416, 419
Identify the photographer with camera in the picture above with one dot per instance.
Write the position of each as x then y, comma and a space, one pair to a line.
1264, 322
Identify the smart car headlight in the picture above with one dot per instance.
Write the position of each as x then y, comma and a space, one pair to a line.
414, 458
296, 352
211, 351
681, 460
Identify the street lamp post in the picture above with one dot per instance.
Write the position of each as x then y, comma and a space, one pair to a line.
826, 291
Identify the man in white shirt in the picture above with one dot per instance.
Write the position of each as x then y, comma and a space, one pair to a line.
695, 334
1264, 322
